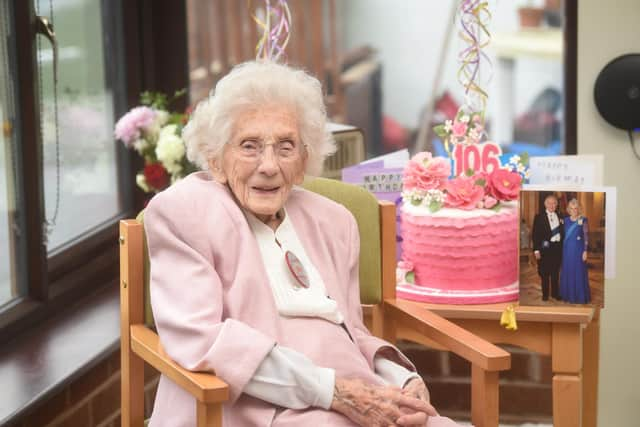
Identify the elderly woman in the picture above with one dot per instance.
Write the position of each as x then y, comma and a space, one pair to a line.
574, 277
257, 279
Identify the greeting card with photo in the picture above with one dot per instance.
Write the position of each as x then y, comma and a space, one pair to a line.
565, 237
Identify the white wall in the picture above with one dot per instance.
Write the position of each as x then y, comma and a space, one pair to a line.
606, 30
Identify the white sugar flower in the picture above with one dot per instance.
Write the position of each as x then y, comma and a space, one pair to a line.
520, 168
464, 119
515, 159
448, 125
434, 195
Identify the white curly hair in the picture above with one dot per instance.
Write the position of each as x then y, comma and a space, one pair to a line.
253, 84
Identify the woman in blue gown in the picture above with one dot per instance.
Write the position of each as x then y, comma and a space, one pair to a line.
574, 277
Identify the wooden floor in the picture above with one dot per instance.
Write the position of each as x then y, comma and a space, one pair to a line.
531, 292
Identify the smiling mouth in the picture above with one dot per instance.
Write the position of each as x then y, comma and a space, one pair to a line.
266, 190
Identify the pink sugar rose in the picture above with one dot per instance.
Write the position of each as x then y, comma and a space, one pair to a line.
129, 126
463, 193
504, 184
405, 265
489, 202
459, 129
424, 172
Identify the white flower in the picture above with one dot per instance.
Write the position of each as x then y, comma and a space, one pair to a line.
141, 181
140, 145
448, 125
464, 119
170, 149
515, 159
520, 168
527, 174
162, 117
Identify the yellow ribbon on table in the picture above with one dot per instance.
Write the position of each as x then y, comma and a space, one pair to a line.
508, 318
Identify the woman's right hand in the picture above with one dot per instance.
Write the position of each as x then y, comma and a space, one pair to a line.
377, 406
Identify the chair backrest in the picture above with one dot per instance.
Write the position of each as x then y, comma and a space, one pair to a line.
367, 211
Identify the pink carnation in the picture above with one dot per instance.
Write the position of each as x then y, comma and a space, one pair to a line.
129, 126
463, 193
503, 184
424, 172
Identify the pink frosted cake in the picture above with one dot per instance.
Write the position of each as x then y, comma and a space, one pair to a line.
460, 256
460, 233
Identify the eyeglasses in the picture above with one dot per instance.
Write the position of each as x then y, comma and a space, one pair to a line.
284, 150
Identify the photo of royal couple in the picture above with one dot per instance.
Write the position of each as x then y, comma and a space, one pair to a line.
562, 247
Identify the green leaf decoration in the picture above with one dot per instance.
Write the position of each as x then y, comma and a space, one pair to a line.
481, 182
524, 158
470, 172
440, 131
410, 277
415, 201
496, 208
435, 206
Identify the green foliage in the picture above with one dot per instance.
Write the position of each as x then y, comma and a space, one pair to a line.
435, 206
439, 130
410, 277
159, 100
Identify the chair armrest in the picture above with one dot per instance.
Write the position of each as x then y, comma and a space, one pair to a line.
205, 387
451, 336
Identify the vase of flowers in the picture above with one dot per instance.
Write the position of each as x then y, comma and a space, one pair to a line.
155, 133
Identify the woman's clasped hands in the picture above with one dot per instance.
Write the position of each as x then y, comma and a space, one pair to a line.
383, 406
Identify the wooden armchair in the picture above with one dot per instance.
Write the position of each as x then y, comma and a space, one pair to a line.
376, 222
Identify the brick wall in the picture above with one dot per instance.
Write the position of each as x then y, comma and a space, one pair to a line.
525, 390
92, 400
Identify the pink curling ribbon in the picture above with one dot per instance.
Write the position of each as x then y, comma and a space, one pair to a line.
474, 18
276, 30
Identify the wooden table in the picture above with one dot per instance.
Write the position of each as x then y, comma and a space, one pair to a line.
569, 334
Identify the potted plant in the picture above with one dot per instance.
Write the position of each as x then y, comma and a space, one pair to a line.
530, 14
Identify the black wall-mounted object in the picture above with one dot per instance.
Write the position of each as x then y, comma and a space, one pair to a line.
617, 92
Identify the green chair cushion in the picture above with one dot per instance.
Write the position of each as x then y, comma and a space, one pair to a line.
364, 207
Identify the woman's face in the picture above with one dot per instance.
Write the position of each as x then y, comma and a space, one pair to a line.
572, 210
263, 160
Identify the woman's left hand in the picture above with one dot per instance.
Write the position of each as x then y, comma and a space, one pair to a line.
418, 389
584, 256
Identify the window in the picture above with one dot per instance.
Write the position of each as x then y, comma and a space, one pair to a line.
58, 150
79, 154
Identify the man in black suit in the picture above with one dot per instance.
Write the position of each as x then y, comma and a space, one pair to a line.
548, 232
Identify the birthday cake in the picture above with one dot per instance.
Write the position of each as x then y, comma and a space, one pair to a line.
460, 230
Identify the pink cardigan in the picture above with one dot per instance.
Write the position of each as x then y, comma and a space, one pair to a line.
214, 308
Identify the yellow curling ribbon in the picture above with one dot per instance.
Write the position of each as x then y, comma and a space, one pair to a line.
508, 318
